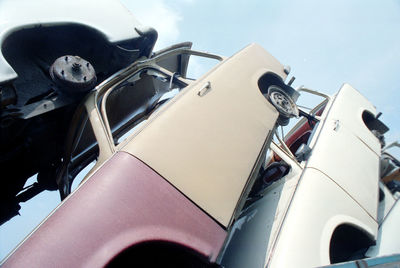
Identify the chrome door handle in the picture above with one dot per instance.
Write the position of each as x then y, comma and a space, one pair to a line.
204, 89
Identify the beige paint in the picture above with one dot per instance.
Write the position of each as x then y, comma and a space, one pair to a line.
319, 205
347, 140
207, 145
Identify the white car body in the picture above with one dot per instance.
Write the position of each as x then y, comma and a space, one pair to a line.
293, 223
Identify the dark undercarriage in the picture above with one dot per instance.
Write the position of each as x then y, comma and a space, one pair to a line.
36, 109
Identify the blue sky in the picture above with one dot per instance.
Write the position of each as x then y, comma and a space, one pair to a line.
327, 43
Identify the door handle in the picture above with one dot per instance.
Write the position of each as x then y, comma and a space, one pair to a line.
204, 89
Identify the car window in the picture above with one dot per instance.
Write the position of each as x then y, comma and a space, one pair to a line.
82, 151
198, 66
300, 131
133, 101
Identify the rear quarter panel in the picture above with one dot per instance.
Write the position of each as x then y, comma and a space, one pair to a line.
124, 203
318, 207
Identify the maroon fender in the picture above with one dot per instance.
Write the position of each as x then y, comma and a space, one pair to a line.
124, 203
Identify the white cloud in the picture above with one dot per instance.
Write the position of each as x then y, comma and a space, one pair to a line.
160, 16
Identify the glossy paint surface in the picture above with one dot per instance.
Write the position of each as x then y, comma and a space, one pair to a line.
122, 204
347, 151
207, 145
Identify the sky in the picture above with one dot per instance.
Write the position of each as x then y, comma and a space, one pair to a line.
326, 43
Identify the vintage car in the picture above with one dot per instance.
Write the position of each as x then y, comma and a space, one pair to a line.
185, 172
